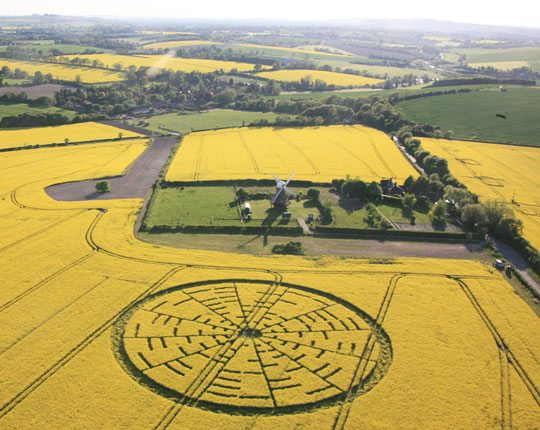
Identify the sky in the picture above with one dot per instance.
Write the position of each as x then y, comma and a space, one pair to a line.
522, 13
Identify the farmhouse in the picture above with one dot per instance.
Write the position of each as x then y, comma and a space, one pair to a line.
390, 188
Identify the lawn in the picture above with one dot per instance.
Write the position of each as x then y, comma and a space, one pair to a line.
474, 115
193, 206
215, 205
221, 118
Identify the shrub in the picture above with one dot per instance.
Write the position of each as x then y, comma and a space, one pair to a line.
291, 248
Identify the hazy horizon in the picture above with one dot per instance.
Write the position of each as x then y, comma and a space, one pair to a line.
521, 14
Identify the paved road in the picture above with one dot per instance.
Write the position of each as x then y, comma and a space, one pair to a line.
518, 262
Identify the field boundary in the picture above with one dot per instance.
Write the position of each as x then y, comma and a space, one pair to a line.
82, 142
391, 234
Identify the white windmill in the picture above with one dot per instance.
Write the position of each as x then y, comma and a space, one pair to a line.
280, 198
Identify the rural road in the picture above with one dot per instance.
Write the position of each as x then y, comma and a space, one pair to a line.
518, 262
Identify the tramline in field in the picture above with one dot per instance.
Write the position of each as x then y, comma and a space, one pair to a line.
317, 154
107, 331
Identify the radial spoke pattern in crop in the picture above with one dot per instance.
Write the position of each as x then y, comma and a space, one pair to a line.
251, 345
465, 347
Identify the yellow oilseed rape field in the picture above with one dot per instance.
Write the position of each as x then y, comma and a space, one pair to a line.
100, 330
179, 44
167, 62
505, 173
317, 154
339, 79
282, 48
65, 72
82, 132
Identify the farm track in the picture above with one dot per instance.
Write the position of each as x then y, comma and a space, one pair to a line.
377, 153
135, 183
250, 154
271, 296
196, 173
98, 284
501, 344
346, 404
7, 407
302, 153
37, 233
349, 152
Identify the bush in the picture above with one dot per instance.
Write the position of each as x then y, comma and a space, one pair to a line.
103, 187
290, 248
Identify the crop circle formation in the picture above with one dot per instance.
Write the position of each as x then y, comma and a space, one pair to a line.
251, 346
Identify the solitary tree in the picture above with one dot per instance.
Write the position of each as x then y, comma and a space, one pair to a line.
242, 194
103, 187
313, 194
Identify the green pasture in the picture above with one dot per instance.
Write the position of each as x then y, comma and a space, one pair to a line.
14, 109
221, 118
485, 55
474, 115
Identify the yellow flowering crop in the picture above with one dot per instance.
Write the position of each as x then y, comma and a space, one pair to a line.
82, 132
506, 173
64, 71
318, 154
282, 48
167, 62
100, 330
339, 79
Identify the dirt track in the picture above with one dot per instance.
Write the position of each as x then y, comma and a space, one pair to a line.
135, 183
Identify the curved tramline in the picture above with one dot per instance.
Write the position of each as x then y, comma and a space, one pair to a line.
101, 330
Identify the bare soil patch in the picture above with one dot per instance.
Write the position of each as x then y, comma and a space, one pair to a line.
37, 90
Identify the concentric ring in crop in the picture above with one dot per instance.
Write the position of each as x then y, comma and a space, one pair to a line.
251, 346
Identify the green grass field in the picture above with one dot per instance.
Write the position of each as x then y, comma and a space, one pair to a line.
14, 109
484, 55
14, 82
473, 115
215, 205
206, 120
65, 49
193, 206
417, 89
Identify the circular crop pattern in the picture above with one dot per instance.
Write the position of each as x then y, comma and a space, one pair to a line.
252, 346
